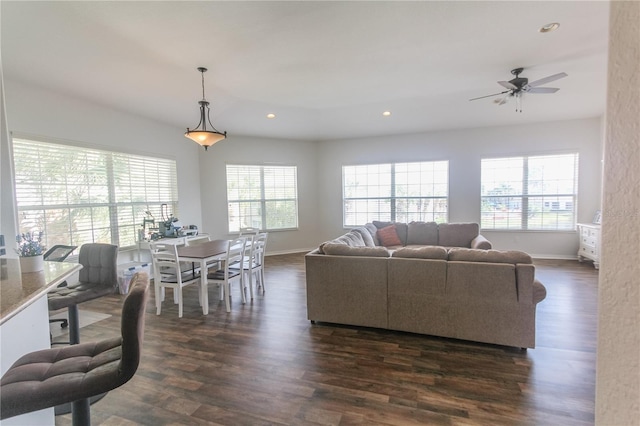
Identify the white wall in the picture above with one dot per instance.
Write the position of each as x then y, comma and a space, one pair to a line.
464, 149
37, 112
251, 150
618, 365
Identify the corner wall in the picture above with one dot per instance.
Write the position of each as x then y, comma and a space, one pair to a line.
618, 363
464, 149
258, 151
38, 112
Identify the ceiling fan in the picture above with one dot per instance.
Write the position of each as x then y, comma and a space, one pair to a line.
519, 85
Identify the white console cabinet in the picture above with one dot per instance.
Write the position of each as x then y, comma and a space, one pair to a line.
589, 235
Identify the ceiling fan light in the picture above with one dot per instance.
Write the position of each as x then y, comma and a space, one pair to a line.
549, 27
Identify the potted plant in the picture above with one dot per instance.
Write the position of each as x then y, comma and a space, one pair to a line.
31, 250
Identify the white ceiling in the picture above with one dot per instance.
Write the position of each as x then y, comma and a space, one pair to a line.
327, 69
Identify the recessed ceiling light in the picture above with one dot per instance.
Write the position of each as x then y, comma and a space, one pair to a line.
386, 113
549, 27
271, 115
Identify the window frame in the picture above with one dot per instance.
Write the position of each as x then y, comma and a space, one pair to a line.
263, 201
393, 199
525, 196
117, 230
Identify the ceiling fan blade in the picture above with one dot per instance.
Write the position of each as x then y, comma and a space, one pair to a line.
488, 96
508, 85
547, 79
542, 90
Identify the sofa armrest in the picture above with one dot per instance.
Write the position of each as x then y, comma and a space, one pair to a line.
480, 242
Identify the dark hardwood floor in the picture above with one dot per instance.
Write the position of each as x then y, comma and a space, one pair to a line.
265, 364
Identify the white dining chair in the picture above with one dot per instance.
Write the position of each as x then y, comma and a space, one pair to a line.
252, 267
258, 255
168, 274
226, 276
249, 231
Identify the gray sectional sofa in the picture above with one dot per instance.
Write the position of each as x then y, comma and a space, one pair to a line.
461, 292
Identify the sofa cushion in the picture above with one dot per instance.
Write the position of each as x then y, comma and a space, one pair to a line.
491, 256
351, 239
422, 233
401, 229
344, 250
457, 234
429, 252
388, 236
373, 230
366, 236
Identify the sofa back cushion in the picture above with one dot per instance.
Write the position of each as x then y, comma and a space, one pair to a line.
373, 230
351, 239
344, 250
422, 233
457, 234
491, 256
401, 229
481, 283
428, 252
366, 236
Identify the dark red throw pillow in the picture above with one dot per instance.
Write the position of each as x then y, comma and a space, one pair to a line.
388, 236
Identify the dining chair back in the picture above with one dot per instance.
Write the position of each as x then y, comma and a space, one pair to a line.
168, 274
226, 275
258, 255
249, 231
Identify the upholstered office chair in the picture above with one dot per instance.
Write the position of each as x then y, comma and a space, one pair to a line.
98, 277
59, 253
52, 377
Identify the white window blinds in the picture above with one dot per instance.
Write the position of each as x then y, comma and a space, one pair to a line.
530, 192
263, 197
401, 192
79, 195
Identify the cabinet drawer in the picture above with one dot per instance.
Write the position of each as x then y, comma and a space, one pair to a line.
590, 232
589, 251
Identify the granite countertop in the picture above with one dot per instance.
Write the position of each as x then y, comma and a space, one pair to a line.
17, 290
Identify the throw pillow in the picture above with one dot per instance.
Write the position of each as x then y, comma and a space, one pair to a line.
401, 229
388, 236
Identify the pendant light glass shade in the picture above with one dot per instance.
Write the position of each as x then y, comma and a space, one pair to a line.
203, 136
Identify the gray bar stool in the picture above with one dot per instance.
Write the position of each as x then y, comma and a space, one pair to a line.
51, 377
98, 277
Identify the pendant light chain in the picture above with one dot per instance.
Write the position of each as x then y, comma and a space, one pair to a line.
202, 72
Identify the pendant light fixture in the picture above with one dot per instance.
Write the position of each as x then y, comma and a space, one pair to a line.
203, 136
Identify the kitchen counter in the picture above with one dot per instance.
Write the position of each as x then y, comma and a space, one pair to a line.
18, 291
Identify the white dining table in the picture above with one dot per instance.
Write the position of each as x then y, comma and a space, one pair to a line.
202, 254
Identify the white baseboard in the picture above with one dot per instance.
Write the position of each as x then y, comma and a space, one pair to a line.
554, 256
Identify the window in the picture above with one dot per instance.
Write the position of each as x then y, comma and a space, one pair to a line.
401, 192
263, 197
530, 193
80, 195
